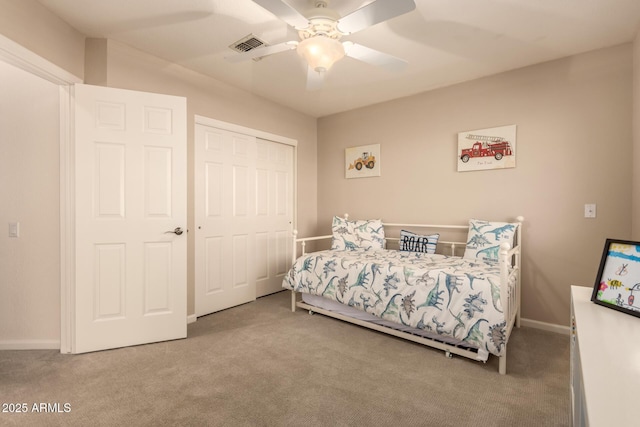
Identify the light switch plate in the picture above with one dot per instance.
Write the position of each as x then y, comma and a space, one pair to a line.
14, 229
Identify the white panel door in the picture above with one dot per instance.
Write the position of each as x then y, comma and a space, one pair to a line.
244, 211
274, 215
225, 219
130, 214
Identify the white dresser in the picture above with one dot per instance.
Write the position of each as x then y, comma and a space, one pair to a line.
605, 364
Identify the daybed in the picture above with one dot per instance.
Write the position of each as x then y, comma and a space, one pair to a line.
465, 305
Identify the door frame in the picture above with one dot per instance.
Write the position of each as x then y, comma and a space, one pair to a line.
231, 127
26, 60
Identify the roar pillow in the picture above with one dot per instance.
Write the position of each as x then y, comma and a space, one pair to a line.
412, 242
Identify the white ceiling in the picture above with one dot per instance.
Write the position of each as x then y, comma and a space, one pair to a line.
444, 42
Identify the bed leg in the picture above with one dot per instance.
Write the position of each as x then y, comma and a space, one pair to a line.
502, 365
293, 301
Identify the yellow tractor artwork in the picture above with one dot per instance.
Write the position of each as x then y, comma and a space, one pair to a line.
368, 160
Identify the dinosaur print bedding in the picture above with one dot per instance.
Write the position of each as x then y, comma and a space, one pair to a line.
451, 296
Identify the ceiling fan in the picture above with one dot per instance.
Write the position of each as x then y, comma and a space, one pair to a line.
321, 30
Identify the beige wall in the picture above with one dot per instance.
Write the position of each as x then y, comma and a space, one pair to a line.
574, 146
28, 23
29, 172
635, 235
30, 176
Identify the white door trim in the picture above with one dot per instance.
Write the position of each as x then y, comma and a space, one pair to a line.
15, 54
26, 60
201, 120
67, 220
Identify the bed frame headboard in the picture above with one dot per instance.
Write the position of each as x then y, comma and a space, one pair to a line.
451, 245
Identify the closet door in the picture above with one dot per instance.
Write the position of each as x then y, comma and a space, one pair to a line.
225, 219
243, 216
274, 214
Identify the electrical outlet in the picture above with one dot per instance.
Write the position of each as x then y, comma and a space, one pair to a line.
590, 210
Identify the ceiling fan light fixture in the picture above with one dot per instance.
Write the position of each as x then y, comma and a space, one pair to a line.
321, 52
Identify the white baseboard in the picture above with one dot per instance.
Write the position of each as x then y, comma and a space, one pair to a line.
192, 318
559, 329
30, 345
49, 344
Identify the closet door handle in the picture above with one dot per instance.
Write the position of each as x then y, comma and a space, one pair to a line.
177, 231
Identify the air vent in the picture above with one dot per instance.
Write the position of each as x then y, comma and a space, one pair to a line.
247, 43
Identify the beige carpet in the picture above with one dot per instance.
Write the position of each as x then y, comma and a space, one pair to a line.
262, 365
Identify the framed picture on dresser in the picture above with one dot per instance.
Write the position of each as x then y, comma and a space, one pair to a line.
617, 284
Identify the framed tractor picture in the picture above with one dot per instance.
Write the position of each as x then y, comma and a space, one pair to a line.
362, 161
493, 148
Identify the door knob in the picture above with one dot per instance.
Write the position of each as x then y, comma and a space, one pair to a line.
177, 231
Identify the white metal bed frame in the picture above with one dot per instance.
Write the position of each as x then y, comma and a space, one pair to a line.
510, 261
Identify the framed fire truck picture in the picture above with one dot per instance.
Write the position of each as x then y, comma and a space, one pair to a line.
493, 148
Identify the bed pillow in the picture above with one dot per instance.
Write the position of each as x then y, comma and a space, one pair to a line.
485, 238
412, 242
360, 234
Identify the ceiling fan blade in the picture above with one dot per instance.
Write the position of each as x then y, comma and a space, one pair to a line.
284, 12
315, 79
374, 57
374, 13
262, 51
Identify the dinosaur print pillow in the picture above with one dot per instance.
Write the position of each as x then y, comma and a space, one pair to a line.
485, 238
353, 235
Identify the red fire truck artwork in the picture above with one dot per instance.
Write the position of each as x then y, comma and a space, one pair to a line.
486, 146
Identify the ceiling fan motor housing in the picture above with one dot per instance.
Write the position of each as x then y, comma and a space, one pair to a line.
322, 21
320, 41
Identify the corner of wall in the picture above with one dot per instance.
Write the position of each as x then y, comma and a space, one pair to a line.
38, 29
95, 61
